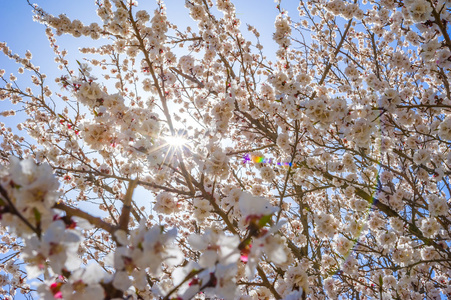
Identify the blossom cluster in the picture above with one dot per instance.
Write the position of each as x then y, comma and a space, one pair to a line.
100, 197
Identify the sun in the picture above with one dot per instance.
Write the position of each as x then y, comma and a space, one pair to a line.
175, 141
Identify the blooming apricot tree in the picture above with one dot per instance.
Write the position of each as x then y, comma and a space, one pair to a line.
217, 172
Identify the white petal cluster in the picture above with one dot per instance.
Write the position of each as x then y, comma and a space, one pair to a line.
83, 283
420, 10
438, 206
88, 93
253, 205
215, 248
429, 227
32, 190
326, 225
166, 204
445, 129
57, 245
297, 276
202, 209
217, 164
146, 248
283, 30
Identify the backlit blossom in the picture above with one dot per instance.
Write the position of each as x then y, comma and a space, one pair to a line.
315, 159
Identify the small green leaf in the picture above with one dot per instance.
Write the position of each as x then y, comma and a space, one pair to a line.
264, 220
37, 215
